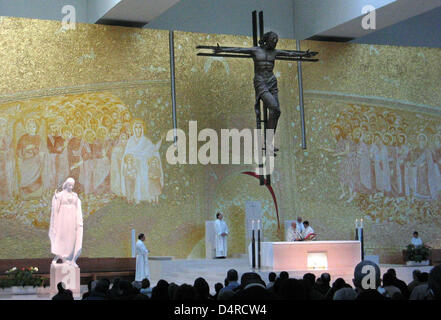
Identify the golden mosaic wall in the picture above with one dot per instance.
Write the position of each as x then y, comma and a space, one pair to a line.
361, 90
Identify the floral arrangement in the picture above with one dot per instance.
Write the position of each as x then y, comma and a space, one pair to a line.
22, 277
417, 254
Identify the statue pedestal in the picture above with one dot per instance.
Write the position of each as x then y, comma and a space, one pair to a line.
68, 274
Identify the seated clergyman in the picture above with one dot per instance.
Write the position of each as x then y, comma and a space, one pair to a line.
293, 233
416, 240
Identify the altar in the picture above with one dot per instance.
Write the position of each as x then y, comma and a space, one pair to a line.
309, 255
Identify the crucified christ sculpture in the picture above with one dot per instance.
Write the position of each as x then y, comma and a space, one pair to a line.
265, 82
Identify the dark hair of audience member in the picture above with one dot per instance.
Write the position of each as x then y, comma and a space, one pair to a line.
325, 277
202, 289
62, 294
185, 292
249, 278
392, 272
415, 274
272, 276
284, 275
102, 286
145, 283
232, 275
388, 279
310, 277
337, 285
160, 292
218, 287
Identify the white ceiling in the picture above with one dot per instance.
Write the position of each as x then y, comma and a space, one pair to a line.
388, 15
140, 11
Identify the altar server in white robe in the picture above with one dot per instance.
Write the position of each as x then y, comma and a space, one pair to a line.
221, 236
142, 260
308, 232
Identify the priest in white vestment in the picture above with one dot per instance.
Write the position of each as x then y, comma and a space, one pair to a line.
293, 233
142, 260
221, 236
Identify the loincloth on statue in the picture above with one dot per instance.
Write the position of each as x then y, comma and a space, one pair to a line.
262, 85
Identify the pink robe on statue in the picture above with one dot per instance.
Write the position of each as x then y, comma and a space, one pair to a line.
66, 225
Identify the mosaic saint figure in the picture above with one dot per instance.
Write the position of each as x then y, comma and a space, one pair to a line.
6, 162
116, 164
31, 160
142, 149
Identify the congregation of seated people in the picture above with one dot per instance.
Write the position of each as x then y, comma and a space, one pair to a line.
250, 286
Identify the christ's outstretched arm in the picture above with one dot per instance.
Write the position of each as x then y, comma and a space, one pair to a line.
293, 53
233, 49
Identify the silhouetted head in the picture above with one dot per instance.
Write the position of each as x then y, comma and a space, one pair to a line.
60, 287
284, 275
202, 288
145, 283
249, 278
272, 276
310, 277
392, 272
102, 286
388, 280
232, 275
218, 286
325, 277
415, 274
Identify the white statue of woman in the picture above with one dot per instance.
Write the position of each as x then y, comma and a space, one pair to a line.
66, 226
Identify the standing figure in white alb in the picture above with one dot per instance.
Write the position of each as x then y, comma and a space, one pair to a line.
66, 225
142, 260
221, 237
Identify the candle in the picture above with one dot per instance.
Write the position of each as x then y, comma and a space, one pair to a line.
258, 224
362, 223
356, 223
252, 223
